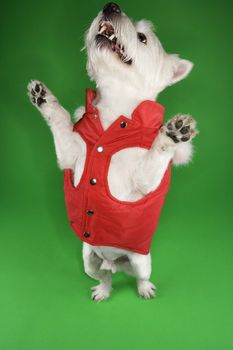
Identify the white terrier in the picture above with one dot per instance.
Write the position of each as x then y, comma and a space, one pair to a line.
129, 66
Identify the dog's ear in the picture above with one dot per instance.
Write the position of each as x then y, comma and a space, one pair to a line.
181, 68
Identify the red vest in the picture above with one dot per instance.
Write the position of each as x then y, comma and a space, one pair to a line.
95, 215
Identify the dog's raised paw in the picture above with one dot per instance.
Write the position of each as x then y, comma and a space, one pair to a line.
37, 92
100, 292
146, 289
181, 128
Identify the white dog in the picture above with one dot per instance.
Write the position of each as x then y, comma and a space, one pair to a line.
129, 65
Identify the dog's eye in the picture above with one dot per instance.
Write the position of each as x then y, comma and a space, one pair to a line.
142, 38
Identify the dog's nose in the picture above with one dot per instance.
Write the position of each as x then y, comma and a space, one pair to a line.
111, 8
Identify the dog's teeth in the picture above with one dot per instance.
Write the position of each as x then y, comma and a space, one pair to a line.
103, 28
107, 30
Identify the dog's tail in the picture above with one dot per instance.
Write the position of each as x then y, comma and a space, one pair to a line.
121, 264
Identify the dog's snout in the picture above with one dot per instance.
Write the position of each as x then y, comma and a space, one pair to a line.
111, 8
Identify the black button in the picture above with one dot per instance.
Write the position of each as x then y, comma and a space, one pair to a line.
86, 234
90, 212
123, 124
93, 182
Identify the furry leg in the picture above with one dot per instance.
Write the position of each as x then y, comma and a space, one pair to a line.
67, 143
92, 265
172, 142
141, 266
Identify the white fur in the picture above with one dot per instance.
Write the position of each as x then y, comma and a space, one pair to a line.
120, 88
79, 113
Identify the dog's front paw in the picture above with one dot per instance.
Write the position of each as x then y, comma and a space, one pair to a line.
181, 128
146, 289
37, 93
100, 292
40, 95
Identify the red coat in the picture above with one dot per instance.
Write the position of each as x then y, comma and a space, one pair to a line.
95, 215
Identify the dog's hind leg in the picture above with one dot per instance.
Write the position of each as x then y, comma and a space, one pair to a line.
69, 145
92, 264
141, 269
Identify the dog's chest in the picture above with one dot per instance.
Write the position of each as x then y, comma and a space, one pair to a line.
121, 173
132, 137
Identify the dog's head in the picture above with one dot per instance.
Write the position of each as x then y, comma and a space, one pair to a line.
120, 50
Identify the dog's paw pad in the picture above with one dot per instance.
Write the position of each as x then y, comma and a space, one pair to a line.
181, 128
146, 289
100, 292
178, 124
37, 92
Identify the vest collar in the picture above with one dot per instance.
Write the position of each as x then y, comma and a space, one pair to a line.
148, 114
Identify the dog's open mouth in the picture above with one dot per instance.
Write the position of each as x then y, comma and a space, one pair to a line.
107, 37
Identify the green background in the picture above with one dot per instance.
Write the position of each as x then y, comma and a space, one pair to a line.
44, 293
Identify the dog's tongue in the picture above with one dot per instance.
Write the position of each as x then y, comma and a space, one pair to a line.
109, 30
